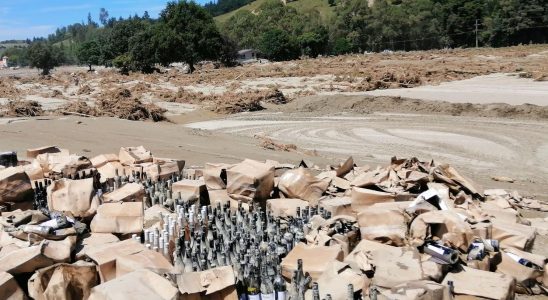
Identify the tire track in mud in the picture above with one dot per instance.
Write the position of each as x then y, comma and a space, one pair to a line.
485, 146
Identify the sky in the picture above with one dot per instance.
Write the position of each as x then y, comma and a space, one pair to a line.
21, 19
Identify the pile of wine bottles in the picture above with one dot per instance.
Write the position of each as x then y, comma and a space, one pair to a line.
198, 238
253, 242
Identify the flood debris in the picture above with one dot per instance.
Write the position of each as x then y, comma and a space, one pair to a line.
136, 226
21, 108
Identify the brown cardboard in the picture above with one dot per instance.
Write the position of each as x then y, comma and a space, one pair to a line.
301, 184
74, 196
392, 265
108, 170
191, 191
335, 279
9, 289
386, 226
145, 259
164, 168
15, 185
524, 275
337, 206
478, 283
138, 285
34, 170
513, 235
316, 259
118, 217
208, 282
105, 256
250, 181
91, 241
33, 153
363, 198
25, 260
59, 251
285, 207
102, 159
63, 163
64, 281
212, 176
134, 155
129, 192
446, 225
416, 290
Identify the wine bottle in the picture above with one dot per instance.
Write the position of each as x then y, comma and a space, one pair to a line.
253, 286
280, 286
267, 289
315, 291
350, 292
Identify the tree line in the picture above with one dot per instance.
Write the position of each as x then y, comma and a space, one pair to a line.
281, 32
186, 32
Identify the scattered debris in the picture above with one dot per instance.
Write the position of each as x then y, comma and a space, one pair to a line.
268, 143
22, 108
131, 221
502, 179
121, 104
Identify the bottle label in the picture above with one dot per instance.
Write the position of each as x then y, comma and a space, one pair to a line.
280, 296
268, 296
438, 250
254, 297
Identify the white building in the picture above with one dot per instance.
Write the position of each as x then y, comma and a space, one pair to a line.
246, 55
4, 62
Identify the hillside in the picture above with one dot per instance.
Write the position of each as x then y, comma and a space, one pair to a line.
4, 45
322, 6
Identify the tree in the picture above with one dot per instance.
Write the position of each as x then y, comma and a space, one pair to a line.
103, 16
229, 52
194, 27
122, 62
42, 55
142, 51
89, 53
277, 45
146, 16
314, 43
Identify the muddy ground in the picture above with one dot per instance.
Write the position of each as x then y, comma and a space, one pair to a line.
428, 104
233, 90
480, 128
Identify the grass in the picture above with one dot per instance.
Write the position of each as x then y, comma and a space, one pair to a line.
321, 6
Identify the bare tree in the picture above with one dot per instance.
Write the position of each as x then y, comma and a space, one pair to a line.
103, 16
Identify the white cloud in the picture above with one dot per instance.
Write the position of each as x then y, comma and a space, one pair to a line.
49, 9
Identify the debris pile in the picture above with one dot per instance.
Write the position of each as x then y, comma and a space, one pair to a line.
7, 89
21, 108
78, 107
132, 225
120, 103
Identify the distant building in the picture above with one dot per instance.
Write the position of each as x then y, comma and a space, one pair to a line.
4, 62
247, 54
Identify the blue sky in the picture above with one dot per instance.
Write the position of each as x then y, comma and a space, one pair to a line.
20, 19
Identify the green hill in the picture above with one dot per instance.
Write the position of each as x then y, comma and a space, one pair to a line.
321, 6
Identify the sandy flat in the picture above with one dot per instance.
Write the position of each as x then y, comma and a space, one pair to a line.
495, 88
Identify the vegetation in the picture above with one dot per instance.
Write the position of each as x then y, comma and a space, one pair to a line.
44, 56
223, 6
186, 32
354, 26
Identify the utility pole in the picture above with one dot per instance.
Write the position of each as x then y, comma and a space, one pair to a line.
477, 24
